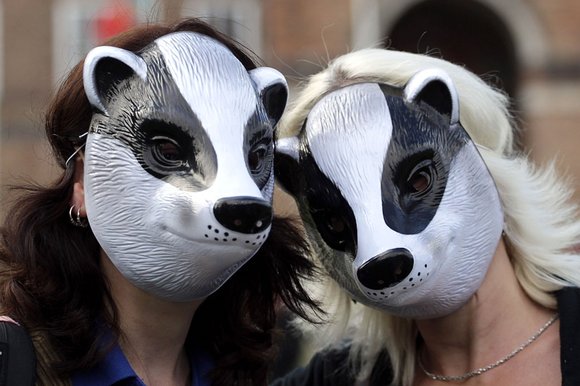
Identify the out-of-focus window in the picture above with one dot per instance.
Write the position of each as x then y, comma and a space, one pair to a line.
240, 19
79, 25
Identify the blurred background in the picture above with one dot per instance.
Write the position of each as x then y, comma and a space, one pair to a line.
530, 48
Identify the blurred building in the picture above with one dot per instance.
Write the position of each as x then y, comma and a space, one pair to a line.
531, 48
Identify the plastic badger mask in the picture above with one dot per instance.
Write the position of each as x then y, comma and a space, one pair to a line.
178, 166
394, 195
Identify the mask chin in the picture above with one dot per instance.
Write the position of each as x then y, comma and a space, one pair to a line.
184, 274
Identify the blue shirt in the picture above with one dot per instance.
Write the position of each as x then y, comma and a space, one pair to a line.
115, 369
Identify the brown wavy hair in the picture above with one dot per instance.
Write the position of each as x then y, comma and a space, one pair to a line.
51, 280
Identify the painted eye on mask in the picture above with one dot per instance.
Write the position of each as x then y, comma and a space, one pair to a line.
167, 149
420, 179
260, 161
257, 156
167, 152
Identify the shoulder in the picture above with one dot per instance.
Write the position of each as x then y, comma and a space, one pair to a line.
568, 296
569, 310
334, 367
327, 367
17, 356
569, 305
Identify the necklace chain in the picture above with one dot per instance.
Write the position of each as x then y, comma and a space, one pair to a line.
481, 370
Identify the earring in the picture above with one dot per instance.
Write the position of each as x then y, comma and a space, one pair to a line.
77, 220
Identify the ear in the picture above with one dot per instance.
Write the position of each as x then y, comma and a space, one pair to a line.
78, 197
286, 164
104, 68
435, 88
272, 89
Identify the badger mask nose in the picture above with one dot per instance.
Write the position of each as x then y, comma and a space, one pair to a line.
243, 214
386, 269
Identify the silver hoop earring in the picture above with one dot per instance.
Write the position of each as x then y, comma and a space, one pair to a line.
77, 220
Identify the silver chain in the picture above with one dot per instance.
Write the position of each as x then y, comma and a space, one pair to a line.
481, 370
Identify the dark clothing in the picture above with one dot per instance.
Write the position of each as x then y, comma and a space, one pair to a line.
17, 359
569, 309
330, 368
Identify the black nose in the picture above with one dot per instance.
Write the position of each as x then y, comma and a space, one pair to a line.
243, 214
386, 269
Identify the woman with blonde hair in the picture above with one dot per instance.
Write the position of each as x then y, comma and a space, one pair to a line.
451, 257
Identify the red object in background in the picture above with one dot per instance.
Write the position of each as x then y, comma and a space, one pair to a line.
114, 18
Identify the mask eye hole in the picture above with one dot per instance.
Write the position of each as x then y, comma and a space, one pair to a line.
420, 178
167, 151
334, 228
335, 224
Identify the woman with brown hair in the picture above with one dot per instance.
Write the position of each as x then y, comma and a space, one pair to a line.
155, 258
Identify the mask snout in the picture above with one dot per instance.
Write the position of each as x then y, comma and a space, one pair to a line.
248, 215
386, 269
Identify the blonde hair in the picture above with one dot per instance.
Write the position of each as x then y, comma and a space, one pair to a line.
541, 224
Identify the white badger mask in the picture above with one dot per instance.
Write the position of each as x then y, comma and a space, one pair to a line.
178, 169
394, 194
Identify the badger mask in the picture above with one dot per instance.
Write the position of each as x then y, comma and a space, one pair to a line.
396, 199
178, 167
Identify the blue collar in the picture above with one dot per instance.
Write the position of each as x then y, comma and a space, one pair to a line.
115, 369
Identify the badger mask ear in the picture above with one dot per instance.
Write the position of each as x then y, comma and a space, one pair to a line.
286, 165
272, 89
435, 88
104, 68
